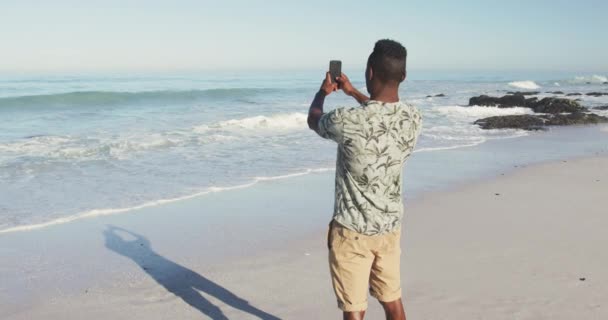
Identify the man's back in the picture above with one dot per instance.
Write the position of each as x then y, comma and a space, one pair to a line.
374, 141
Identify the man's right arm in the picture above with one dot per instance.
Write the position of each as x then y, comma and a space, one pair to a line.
347, 87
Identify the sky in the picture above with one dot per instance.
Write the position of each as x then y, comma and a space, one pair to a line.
189, 35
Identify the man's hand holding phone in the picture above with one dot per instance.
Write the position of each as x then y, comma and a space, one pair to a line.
328, 86
345, 85
335, 79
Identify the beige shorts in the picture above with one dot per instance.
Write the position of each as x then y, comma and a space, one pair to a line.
358, 262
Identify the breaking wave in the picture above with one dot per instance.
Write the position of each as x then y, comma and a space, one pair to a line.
122, 146
528, 84
291, 121
594, 79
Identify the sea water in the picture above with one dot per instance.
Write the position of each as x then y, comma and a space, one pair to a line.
73, 147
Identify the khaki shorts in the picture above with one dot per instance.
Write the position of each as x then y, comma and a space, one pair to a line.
358, 262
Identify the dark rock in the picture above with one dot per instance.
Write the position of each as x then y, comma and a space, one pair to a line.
574, 94
601, 108
538, 122
556, 105
546, 105
597, 94
582, 279
524, 93
606, 82
556, 92
531, 102
429, 96
524, 121
508, 101
440, 95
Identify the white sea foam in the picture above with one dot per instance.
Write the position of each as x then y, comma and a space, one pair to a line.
595, 79
469, 141
527, 84
477, 111
429, 149
74, 148
290, 121
117, 147
123, 146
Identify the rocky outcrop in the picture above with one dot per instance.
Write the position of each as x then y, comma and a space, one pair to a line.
545, 105
539, 122
575, 118
437, 95
556, 105
508, 101
601, 108
597, 94
523, 121
555, 92
574, 94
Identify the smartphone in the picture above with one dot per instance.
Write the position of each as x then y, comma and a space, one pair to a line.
335, 69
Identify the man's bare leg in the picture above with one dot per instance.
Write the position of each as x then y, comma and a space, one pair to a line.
394, 310
358, 315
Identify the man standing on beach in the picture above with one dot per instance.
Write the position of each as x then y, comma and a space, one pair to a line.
374, 140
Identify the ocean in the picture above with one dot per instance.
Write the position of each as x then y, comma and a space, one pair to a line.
78, 146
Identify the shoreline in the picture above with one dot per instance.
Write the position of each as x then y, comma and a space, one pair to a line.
495, 144
243, 242
492, 236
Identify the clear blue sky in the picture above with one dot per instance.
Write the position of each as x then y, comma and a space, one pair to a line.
108, 35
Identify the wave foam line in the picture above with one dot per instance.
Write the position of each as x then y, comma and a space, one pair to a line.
280, 121
594, 79
473, 144
528, 84
450, 147
112, 211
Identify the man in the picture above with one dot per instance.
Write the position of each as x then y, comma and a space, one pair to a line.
374, 140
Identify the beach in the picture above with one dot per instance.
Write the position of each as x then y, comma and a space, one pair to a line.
185, 160
206, 196
525, 243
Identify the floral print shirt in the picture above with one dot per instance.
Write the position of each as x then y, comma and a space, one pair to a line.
374, 141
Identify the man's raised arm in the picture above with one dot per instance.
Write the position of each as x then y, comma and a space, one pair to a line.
316, 107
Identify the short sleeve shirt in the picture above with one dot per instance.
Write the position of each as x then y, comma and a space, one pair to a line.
374, 141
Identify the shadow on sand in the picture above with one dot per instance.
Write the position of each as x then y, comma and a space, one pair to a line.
177, 279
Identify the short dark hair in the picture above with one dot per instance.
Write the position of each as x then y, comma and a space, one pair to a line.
388, 60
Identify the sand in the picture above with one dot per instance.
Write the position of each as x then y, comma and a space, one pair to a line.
527, 245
